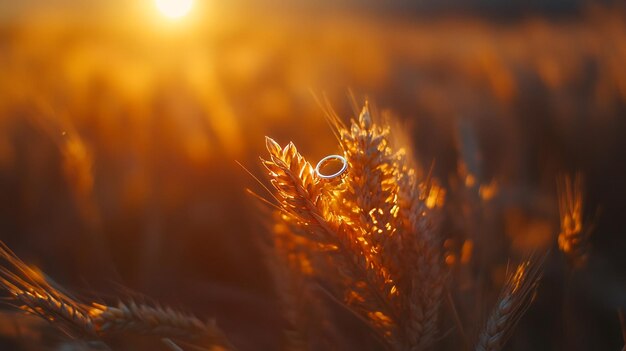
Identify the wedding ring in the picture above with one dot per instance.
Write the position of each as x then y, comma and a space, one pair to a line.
326, 160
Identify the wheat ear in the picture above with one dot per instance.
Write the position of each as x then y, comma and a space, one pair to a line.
422, 256
515, 298
399, 216
574, 235
32, 293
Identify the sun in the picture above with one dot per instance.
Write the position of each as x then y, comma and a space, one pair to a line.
174, 8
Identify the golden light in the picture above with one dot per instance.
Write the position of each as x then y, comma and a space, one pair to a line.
174, 8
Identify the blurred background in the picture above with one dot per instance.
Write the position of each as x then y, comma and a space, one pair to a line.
121, 121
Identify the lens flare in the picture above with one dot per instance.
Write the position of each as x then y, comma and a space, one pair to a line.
174, 8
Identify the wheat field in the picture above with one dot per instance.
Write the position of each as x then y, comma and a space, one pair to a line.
160, 186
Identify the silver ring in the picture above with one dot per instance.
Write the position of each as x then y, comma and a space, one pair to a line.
344, 166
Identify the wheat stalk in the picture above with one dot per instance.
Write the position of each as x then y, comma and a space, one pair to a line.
32, 293
515, 298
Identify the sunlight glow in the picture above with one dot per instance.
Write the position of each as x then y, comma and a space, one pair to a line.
174, 8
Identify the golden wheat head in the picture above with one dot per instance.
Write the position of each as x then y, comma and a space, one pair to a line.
574, 235
515, 298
